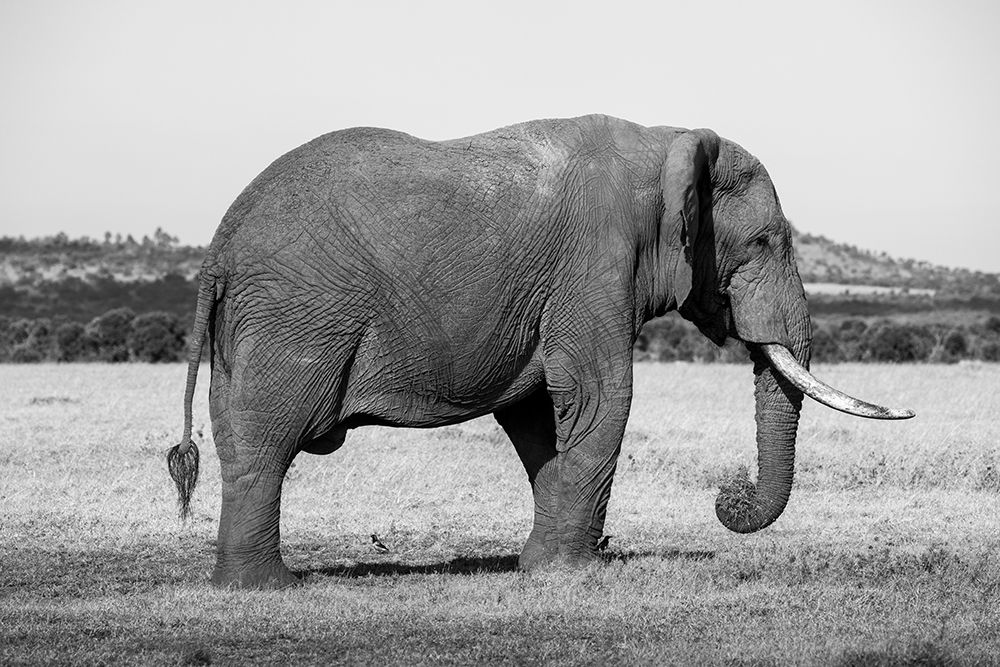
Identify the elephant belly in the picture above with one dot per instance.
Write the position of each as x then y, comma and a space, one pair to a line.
438, 393
327, 443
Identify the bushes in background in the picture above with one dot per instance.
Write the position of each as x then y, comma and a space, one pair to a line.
899, 342
155, 337
109, 333
116, 336
72, 343
121, 335
851, 339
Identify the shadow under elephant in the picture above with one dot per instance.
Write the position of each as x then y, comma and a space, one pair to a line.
470, 565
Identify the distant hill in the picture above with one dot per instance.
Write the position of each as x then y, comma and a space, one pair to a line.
56, 258
821, 260
62, 278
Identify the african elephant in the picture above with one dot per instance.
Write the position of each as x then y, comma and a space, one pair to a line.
370, 277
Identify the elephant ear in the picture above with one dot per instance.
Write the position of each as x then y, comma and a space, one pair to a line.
684, 180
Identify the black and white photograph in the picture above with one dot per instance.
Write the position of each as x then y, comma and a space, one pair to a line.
521, 333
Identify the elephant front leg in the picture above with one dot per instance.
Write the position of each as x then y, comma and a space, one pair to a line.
530, 425
585, 468
568, 438
591, 409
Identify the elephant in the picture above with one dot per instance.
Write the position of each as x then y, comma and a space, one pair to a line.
369, 277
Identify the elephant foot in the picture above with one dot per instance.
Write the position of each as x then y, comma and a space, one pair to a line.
538, 563
535, 555
268, 576
538, 554
577, 559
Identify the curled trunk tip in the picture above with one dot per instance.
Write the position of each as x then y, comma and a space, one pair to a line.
745, 506
740, 507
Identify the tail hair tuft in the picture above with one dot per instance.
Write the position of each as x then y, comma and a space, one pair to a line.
182, 461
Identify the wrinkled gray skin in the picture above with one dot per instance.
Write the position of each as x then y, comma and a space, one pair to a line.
370, 277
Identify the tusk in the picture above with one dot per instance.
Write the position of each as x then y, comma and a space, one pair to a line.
785, 363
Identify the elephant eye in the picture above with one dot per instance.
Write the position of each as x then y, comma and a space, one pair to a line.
759, 242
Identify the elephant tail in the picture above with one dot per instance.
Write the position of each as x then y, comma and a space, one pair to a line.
182, 459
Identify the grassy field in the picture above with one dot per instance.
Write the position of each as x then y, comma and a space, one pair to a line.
888, 553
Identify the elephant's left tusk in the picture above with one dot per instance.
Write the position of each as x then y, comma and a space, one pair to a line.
785, 363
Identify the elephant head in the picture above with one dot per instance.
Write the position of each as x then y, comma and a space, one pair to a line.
732, 269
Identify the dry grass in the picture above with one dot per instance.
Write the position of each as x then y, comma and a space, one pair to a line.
888, 552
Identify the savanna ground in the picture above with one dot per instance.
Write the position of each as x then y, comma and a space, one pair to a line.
888, 553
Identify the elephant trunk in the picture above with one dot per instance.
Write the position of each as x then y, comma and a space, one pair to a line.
745, 507
782, 379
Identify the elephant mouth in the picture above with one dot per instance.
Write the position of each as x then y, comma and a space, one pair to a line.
714, 322
783, 362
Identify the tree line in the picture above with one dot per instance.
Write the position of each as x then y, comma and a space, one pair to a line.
121, 335
838, 340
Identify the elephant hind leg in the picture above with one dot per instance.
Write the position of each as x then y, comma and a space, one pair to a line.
253, 467
248, 550
530, 425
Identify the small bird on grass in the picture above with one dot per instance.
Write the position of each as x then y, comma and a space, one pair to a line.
378, 546
603, 544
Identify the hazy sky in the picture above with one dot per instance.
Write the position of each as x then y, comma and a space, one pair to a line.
879, 122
